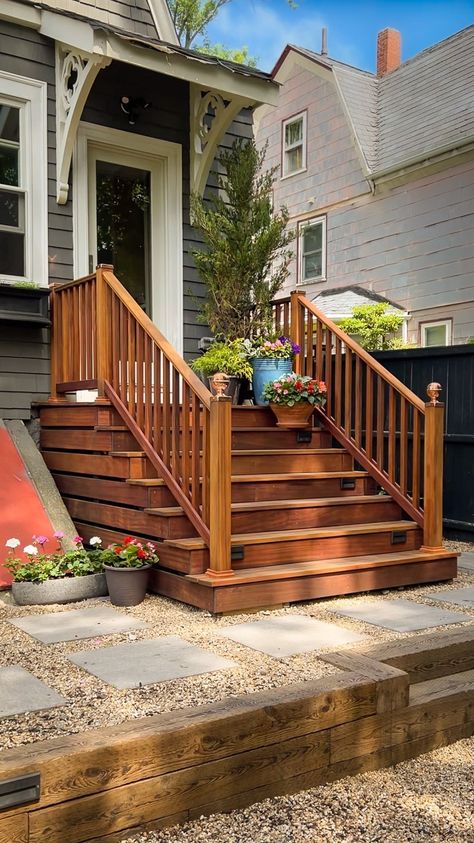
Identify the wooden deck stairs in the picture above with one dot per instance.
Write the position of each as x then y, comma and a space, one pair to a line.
246, 514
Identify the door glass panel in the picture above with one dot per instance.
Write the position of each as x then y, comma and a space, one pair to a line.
123, 225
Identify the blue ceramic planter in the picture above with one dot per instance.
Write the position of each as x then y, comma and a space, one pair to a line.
266, 369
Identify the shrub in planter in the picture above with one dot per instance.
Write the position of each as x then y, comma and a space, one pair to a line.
228, 357
127, 566
293, 398
40, 578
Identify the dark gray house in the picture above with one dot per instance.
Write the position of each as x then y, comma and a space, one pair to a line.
377, 172
106, 126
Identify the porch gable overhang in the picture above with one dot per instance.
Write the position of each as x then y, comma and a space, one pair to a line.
218, 89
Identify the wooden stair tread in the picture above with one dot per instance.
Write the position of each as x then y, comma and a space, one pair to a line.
112, 428
278, 452
307, 569
145, 481
127, 453
298, 535
298, 475
294, 503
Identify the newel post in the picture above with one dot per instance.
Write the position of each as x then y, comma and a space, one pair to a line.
102, 330
433, 470
297, 325
220, 427
55, 344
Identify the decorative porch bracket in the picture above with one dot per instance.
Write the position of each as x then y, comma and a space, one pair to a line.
76, 72
211, 116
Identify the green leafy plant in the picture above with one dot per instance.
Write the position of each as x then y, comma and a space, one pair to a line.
230, 358
26, 285
270, 346
245, 261
294, 389
374, 328
39, 566
129, 554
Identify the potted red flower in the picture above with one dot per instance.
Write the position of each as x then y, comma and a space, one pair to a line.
127, 566
293, 398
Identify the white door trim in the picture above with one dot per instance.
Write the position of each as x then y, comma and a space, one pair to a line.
166, 216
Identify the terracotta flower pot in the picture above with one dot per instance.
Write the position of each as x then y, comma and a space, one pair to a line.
127, 586
293, 417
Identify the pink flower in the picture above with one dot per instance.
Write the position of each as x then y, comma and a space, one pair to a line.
285, 392
58, 534
40, 540
77, 540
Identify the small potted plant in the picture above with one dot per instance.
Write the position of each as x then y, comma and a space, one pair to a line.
229, 358
41, 578
271, 357
293, 398
127, 567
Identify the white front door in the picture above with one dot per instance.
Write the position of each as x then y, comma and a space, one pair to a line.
127, 212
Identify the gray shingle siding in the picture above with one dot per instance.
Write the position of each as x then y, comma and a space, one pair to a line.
133, 16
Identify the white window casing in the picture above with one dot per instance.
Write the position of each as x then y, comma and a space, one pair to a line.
29, 194
436, 333
312, 250
294, 136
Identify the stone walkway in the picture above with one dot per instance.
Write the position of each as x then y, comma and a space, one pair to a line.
122, 650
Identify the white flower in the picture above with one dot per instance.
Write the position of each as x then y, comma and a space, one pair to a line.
13, 543
30, 550
95, 540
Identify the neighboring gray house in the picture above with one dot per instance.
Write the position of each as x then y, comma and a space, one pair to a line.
377, 172
106, 126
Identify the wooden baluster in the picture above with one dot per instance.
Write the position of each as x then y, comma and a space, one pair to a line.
115, 341
318, 374
140, 414
55, 314
89, 292
348, 394
220, 427
74, 335
286, 319
433, 470
297, 327
403, 446
80, 338
148, 387
132, 369
358, 403
102, 334
392, 432
166, 412
65, 344
416, 459
123, 355
380, 421
175, 425
338, 382
307, 348
157, 401
185, 443
369, 412
328, 374
196, 445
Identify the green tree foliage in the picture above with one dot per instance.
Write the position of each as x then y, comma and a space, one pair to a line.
245, 261
373, 327
239, 56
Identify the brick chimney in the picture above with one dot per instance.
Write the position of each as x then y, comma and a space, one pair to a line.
389, 51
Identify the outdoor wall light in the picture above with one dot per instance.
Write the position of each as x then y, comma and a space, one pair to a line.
131, 105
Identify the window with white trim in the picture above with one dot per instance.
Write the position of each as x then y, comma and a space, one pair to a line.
436, 333
23, 180
294, 144
312, 250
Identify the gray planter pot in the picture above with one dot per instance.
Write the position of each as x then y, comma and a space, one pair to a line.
65, 590
127, 586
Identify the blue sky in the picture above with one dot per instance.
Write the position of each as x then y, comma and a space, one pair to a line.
265, 26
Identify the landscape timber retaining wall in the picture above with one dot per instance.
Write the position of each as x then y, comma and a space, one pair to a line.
389, 703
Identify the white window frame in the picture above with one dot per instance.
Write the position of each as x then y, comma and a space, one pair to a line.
303, 115
30, 96
302, 225
436, 324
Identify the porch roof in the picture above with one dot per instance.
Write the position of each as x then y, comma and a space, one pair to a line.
338, 303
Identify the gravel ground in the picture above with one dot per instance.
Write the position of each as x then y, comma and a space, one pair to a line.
427, 800
94, 704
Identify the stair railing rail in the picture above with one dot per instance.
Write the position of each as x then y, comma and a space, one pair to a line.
388, 429
102, 339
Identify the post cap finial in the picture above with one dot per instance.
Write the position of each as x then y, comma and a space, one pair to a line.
433, 390
219, 383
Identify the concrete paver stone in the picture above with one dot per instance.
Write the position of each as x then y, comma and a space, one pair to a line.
402, 615
21, 692
76, 624
289, 635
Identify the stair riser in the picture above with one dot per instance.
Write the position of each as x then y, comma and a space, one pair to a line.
128, 520
102, 465
79, 439
296, 489
320, 516
184, 562
292, 590
304, 550
261, 439
108, 535
336, 460
252, 417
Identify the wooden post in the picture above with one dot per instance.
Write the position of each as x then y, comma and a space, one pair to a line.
102, 330
219, 492
54, 340
297, 327
433, 470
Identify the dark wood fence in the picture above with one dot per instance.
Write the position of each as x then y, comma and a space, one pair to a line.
453, 368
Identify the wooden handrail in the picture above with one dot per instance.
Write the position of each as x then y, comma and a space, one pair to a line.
184, 431
386, 427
